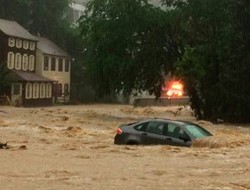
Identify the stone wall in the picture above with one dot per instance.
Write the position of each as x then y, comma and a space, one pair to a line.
142, 102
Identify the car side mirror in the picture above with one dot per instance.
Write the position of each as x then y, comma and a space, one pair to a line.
184, 137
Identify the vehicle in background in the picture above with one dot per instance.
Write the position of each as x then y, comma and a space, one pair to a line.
173, 89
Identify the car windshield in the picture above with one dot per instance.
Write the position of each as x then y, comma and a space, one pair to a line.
197, 132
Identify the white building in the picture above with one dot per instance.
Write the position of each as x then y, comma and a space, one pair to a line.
76, 9
54, 63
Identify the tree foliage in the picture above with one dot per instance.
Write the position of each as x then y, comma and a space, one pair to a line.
47, 18
40, 17
129, 45
14, 10
215, 65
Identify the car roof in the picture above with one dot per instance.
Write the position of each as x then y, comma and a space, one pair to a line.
177, 122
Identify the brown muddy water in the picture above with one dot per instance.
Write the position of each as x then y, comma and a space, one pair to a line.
71, 147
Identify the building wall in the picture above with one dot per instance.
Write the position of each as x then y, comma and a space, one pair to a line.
144, 102
17, 92
60, 77
19, 53
39, 62
76, 9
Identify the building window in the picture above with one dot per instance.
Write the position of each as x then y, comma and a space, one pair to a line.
28, 91
53, 64
60, 64
35, 90
66, 89
10, 60
42, 90
32, 45
16, 89
25, 62
31, 62
48, 90
11, 42
66, 65
18, 43
25, 44
18, 61
46, 63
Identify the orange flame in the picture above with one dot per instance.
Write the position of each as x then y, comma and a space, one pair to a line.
174, 89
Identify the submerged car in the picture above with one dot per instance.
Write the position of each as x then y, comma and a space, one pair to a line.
160, 131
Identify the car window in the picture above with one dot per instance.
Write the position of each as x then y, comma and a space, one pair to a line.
197, 131
154, 127
140, 127
172, 130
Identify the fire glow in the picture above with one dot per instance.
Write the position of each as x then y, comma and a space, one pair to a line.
174, 89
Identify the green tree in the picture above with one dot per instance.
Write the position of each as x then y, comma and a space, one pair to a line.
47, 18
238, 67
40, 17
130, 45
15, 10
215, 64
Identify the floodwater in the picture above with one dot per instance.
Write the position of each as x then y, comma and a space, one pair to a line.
71, 147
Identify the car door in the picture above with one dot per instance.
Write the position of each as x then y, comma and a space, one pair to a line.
171, 135
153, 133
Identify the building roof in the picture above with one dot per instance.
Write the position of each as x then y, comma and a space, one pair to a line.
48, 47
28, 76
12, 28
